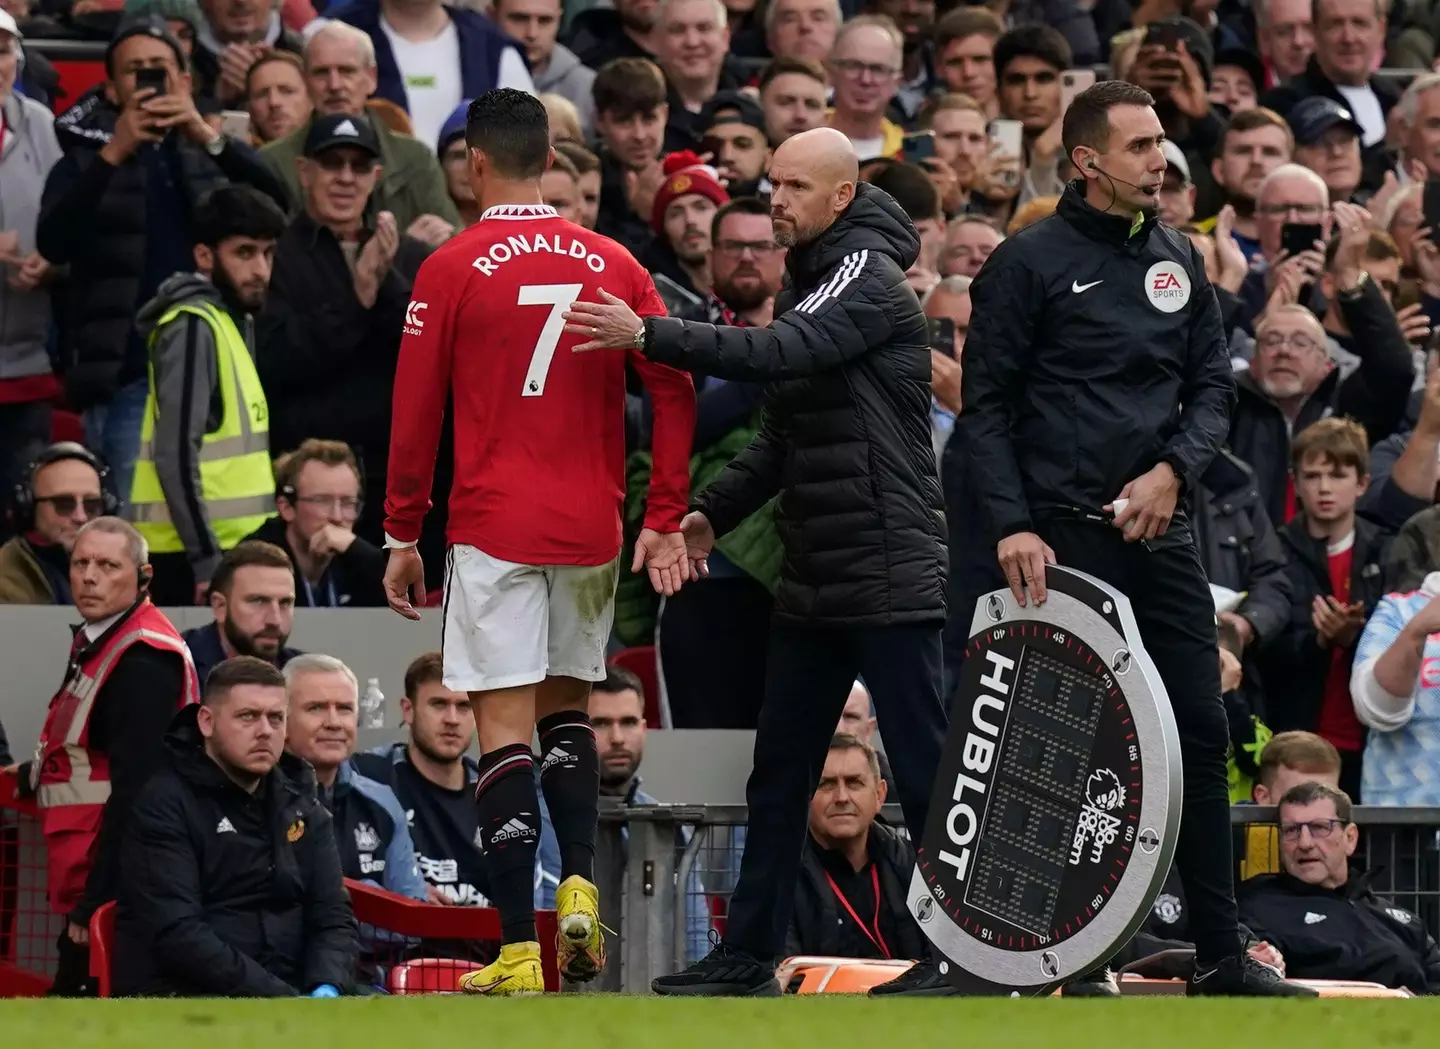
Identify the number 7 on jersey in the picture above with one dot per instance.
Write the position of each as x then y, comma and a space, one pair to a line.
558, 297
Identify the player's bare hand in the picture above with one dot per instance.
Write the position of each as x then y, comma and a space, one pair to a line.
1023, 558
611, 324
699, 541
1150, 503
663, 555
404, 581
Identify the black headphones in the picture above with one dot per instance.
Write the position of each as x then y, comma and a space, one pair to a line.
22, 506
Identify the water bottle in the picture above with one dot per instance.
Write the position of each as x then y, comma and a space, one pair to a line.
372, 705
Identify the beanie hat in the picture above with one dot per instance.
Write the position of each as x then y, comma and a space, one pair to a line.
684, 175
178, 10
454, 126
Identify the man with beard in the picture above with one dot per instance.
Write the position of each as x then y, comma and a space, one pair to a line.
729, 609
252, 595
684, 210
1254, 143
435, 782
734, 136
914, 19
202, 479
603, 34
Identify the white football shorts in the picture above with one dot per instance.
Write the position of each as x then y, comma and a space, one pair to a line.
509, 624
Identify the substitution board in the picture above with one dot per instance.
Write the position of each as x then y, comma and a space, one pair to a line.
1057, 801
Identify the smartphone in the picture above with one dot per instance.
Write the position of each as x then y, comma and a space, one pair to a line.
1296, 237
1431, 201
942, 335
1072, 82
710, 147
1008, 137
917, 147
153, 78
235, 123
1164, 34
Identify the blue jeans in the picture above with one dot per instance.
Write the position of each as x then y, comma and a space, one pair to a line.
113, 430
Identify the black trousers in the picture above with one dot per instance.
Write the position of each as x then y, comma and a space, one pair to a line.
808, 678
1176, 615
731, 616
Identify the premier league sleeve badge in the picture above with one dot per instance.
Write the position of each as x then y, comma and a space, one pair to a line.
1057, 801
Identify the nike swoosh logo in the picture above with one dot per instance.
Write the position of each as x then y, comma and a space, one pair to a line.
482, 988
1202, 977
1077, 287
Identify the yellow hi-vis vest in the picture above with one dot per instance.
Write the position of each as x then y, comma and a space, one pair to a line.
236, 479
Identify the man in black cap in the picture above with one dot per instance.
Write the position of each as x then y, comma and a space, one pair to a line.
735, 142
118, 210
1327, 141
330, 333
1236, 80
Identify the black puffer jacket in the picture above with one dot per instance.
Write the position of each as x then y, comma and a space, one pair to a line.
229, 894
845, 433
92, 218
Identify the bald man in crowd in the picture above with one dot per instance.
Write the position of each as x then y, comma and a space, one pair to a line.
845, 446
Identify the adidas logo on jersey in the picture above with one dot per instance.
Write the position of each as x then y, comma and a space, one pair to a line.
512, 831
225, 826
1311, 918
557, 756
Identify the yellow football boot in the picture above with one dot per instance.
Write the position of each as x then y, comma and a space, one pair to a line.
580, 941
515, 972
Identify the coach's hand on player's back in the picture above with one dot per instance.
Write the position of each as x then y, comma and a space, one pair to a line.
1023, 558
404, 579
610, 324
663, 555
1150, 502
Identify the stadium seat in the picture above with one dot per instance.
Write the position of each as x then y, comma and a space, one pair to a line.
642, 661
102, 938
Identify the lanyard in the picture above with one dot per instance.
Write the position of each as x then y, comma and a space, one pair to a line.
873, 935
329, 591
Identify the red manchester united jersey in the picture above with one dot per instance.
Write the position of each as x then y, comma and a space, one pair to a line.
539, 429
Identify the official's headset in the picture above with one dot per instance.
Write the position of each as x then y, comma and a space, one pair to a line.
22, 500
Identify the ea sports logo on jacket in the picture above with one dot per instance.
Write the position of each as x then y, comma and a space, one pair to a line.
1168, 286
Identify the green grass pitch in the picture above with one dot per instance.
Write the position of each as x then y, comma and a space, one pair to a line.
832, 1022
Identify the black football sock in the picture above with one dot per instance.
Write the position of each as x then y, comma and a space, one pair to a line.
570, 778
510, 832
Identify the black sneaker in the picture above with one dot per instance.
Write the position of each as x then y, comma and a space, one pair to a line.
1098, 983
1242, 976
921, 980
723, 973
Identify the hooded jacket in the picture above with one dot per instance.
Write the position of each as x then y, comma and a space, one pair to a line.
94, 219
844, 436
28, 151
188, 404
226, 893
566, 76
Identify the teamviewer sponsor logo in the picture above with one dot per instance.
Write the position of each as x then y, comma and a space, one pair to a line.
414, 323
515, 830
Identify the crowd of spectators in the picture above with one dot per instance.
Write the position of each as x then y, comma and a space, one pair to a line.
205, 270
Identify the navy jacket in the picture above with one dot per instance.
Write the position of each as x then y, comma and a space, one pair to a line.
207, 650
481, 43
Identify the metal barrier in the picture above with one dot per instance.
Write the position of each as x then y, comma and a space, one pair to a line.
665, 869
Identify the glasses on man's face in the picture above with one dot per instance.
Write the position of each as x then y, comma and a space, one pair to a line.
849, 67
1304, 212
1319, 829
65, 505
738, 248
334, 163
1297, 341
345, 506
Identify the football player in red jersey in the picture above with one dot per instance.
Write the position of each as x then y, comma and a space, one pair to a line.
534, 526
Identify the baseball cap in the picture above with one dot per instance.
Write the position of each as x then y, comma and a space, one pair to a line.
341, 129
8, 25
1314, 116
1175, 158
1197, 41
1243, 58
732, 107
150, 25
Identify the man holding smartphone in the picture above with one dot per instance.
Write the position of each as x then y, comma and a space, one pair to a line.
117, 210
1097, 388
